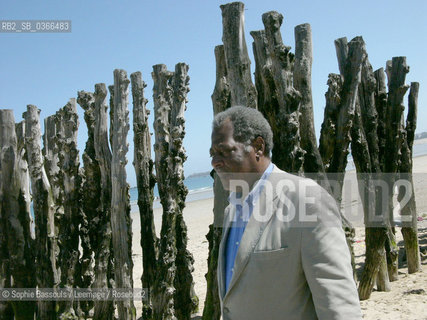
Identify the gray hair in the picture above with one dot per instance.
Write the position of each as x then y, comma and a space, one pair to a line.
248, 124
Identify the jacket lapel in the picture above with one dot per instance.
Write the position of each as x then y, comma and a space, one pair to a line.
221, 252
261, 215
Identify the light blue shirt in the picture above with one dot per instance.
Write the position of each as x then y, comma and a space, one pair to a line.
243, 212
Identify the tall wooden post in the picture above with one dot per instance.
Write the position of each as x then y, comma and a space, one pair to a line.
394, 122
145, 182
104, 276
185, 298
278, 100
120, 207
345, 114
409, 212
16, 214
43, 212
91, 193
51, 160
302, 82
164, 290
70, 179
221, 100
236, 56
173, 295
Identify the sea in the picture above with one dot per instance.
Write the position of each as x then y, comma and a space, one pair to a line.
199, 187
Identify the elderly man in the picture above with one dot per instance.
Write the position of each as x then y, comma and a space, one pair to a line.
283, 253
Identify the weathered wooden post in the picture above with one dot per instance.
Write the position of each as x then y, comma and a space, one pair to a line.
51, 161
343, 114
164, 290
277, 98
145, 182
91, 193
185, 298
43, 205
284, 118
120, 207
302, 82
173, 295
409, 212
6, 311
221, 100
394, 120
70, 180
16, 214
103, 310
236, 56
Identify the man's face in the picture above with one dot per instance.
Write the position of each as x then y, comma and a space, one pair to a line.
230, 159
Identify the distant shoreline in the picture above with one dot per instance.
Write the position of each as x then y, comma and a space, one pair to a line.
201, 174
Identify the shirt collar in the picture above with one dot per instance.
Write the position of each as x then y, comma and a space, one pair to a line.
236, 199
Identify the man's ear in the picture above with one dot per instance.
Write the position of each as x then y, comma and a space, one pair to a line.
259, 145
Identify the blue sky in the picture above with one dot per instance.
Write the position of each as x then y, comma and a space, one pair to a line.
48, 69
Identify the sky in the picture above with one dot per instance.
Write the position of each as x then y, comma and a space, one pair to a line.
47, 69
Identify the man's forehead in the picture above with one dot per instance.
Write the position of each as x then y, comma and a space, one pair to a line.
224, 128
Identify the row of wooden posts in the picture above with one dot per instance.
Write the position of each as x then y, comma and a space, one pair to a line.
89, 205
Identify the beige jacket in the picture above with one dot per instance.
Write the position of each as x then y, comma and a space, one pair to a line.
286, 267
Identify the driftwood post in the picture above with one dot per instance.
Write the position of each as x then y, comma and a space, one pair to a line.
283, 117
16, 213
120, 208
339, 113
91, 193
70, 180
6, 311
221, 100
164, 290
380, 97
185, 298
51, 161
236, 56
43, 212
409, 212
145, 182
173, 295
302, 83
104, 309
277, 98
394, 124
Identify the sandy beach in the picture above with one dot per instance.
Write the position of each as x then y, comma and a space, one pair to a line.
406, 300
